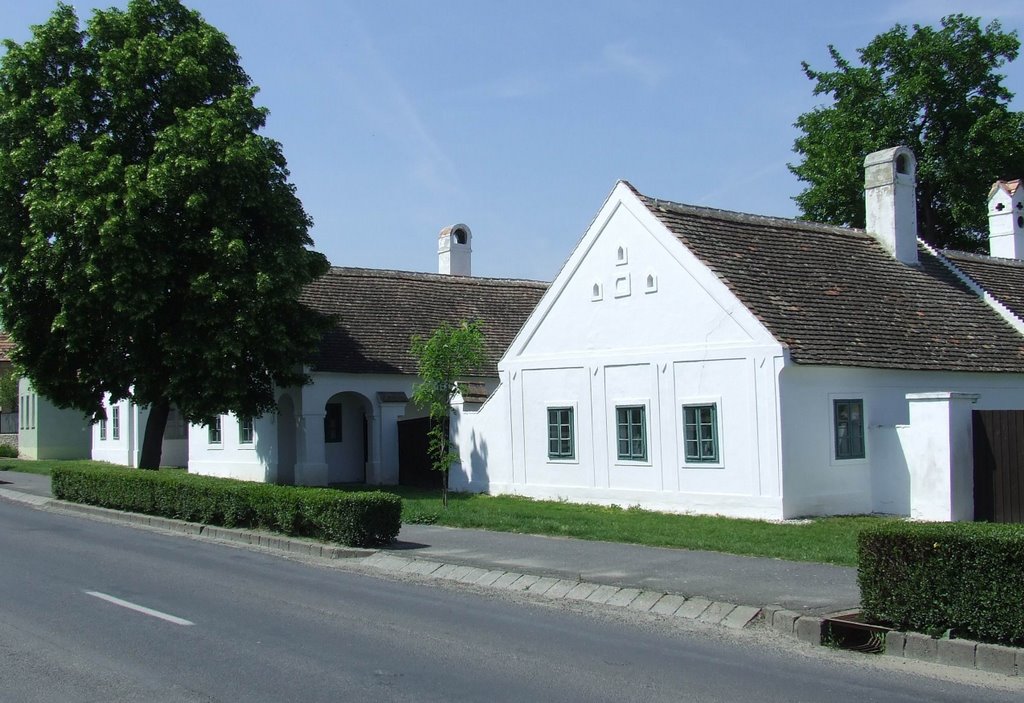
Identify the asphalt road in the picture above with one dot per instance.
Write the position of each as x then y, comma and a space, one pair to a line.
92, 611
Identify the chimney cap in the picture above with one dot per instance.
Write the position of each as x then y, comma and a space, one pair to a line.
902, 156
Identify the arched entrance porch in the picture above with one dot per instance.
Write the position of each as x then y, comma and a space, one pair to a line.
348, 418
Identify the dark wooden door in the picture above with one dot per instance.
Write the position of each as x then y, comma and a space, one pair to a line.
999, 465
413, 460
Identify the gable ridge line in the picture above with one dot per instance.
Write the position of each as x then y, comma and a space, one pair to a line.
989, 299
361, 272
750, 218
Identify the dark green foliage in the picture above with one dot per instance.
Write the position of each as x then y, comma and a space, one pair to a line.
151, 245
937, 91
8, 452
933, 577
354, 519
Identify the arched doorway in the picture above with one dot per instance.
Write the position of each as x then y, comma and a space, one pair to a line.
347, 418
285, 441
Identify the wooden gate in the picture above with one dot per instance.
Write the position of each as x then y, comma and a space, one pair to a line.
413, 461
999, 465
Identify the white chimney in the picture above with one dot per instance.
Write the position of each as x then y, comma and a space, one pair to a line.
1006, 219
891, 201
454, 251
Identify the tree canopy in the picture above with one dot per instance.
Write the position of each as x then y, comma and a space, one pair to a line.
938, 92
151, 244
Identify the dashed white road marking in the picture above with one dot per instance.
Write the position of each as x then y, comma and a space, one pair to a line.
140, 608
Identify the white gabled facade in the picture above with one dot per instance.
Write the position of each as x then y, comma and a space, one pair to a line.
633, 323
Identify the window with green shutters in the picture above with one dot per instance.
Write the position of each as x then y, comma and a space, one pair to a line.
631, 421
245, 433
848, 415
700, 433
561, 434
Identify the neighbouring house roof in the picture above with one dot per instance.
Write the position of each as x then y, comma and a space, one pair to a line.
834, 296
6, 345
377, 312
1003, 278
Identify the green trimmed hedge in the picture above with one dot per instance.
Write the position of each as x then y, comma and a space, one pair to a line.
934, 577
363, 519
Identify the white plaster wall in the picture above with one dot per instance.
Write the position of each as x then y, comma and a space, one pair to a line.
818, 484
123, 450
483, 437
231, 458
683, 338
50, 432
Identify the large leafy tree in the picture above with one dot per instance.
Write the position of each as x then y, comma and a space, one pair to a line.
151, 245
937, 91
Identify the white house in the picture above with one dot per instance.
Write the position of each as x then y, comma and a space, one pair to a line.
46, 431
343, 427
696, 360
118, 438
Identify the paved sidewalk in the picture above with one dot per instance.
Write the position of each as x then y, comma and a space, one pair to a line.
597, 571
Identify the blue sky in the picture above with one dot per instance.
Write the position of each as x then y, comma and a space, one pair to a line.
517, 118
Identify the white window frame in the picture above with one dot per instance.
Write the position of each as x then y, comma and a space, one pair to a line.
246, 443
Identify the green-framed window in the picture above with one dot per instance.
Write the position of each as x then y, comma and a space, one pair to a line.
700, 433
245, 431
103, 430
561, 434
848, 418
115, 423
631, 421
213, 431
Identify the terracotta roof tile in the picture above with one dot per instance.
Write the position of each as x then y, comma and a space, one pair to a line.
834, 296
378, 311
1003, 278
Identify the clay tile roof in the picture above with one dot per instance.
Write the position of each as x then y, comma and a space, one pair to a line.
1003, 278
378, 311
6, 345
1010, 187
834, 296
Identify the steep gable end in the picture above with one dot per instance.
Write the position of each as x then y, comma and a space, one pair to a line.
629, 285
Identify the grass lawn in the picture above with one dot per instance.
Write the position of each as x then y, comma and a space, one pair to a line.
45, 466
830, 540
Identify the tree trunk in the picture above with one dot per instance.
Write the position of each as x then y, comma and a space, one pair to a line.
153, 441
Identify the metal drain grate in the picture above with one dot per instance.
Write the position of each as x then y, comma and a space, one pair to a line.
850, 631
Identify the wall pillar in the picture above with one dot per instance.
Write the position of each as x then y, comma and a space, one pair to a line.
939, 449
385, 470
311, 459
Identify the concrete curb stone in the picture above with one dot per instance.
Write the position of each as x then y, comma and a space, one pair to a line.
956, 653
716, 612
668, 604
997, 659
921, 647
561, 588
693, 608
808, 629
645, 600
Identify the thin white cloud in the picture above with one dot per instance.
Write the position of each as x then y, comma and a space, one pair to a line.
386, 104
620, 57
735, 187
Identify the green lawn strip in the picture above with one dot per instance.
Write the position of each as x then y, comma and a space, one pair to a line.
45, 466
826, 540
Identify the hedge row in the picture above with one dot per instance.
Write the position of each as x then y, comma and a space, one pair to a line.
354, 519
932, 577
